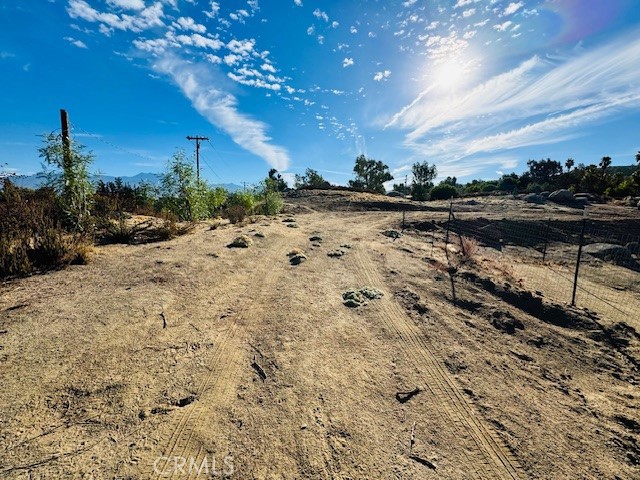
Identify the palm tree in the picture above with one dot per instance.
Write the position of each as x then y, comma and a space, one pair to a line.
569, 164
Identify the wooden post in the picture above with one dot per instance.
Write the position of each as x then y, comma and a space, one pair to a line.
66, 140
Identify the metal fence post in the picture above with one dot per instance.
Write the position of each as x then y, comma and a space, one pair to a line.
546, 240
575, 277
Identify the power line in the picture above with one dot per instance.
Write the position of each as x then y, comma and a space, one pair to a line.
111, 144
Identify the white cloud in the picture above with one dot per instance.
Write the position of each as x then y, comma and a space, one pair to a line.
241, 47
462, 3
353, 29
501, 27
468, 13
77, 43
221, 109
213, 12
382, 76
188, 23
513, 8
144, 19
347, 62
408, 3
298, 3
127, 4
321, 15
311, 30
334, 24
156, 46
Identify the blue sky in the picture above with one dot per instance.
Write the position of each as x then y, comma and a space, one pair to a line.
476, 86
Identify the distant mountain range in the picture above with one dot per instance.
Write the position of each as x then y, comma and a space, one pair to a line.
39, 179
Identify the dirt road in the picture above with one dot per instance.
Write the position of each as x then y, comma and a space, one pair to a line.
187, 358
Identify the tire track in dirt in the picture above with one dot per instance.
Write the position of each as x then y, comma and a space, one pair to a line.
487, 456
224, 368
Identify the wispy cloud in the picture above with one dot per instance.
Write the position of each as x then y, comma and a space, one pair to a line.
221, 109
77, 43
541, 101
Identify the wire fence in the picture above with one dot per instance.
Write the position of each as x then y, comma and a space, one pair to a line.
592, 263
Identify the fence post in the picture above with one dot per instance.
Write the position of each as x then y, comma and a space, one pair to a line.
546, 240
575, 277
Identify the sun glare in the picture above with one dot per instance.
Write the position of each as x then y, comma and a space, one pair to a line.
451, 75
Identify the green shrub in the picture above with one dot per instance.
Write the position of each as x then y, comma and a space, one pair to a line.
246, 200
443, 192
273, 203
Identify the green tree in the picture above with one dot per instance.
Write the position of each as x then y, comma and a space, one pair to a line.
370, 174
423, 176
569, 164
543, 171
402, 188
181, 192
311, 179
605, 163
71, 181
279, 183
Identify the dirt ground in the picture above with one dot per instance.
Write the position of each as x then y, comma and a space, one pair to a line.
189, 359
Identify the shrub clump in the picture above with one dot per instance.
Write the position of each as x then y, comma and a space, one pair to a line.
240, 242
355, 298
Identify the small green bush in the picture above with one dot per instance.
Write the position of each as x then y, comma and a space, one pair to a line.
273, 203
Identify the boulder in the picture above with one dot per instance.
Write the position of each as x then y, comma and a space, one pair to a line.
545, 194
610, 252
561, 196
633, 247
534, 198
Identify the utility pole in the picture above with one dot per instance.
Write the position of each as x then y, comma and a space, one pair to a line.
197, 139
66, 141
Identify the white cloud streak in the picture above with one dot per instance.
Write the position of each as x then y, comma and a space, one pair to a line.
539, 102
221, 109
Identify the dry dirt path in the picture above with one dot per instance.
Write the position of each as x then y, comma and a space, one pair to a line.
259, 363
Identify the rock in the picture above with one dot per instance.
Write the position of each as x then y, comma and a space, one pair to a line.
292, 225
289, 220
259, 235
240, 242
346, 245
336, 253
561, 196
633, 247
534, 198
294, 252
638, 204
298, 259
506, 322
394, 193
392, 233
545, 194
586, 195
610, 252
315, 238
